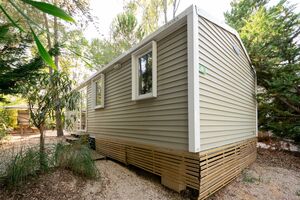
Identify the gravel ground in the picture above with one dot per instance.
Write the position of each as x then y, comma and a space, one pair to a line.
275, 175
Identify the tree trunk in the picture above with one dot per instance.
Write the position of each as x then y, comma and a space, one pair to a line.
58, 114
175, 7
48, 37
43, 160
56, 39
165, 10
59, 125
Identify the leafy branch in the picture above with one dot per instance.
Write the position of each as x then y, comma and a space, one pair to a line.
45, 8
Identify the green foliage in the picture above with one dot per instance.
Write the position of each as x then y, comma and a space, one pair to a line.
44, 54
8, 120
15, 65
50, 9
270, 35
44, 7
22, 166
49, 92
26, 163
77, 158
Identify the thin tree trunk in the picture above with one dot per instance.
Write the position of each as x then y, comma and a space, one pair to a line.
59, 125
165, 10
48, 37
43, 161
175, 7
56, 39
58, 114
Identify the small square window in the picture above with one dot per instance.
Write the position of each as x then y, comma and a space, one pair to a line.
144, 71
98, 91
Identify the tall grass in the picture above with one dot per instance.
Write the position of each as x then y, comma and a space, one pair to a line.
26, 163
22, 166
77, 158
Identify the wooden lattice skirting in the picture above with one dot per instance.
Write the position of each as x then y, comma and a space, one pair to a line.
206, 171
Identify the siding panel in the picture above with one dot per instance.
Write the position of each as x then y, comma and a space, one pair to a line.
162, 121
227, 89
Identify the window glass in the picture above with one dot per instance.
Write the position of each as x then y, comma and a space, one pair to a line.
145, 73
98, 85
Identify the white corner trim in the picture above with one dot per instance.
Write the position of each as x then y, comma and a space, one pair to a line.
256, 103
151, 46
193, 83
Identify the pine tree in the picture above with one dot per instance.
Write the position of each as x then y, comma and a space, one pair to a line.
271, 36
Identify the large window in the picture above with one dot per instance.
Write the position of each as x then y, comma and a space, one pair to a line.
82, 114
98, 88
144, 70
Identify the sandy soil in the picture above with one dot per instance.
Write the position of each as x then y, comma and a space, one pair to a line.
275, 175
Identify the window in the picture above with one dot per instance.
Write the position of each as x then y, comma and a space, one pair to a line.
82, 113
98, 88
144, 71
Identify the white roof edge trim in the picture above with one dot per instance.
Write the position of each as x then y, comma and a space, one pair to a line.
150, 37
207, 16
146, 40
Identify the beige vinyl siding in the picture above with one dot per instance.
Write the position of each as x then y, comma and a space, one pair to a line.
161, 121
227, 90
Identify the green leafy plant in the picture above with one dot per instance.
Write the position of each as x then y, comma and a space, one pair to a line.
77, 158
44, 7
270, 32
22, 166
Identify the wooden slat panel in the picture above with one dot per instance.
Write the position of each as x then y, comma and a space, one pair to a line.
220, 165
177, 166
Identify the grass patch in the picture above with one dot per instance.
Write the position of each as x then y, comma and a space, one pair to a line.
26, 163
23, 165
247, 178
298, 193
76, 158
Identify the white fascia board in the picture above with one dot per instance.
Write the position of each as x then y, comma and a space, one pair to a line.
149, 38
205, 15
193, 83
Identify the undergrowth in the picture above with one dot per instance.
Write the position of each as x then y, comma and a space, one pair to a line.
26, 163
77, 158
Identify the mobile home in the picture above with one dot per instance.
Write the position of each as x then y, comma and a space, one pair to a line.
180, 104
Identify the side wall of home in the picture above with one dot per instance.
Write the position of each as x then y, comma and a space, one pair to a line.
160, 121
226, 86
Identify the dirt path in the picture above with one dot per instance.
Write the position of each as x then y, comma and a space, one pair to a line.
275, 175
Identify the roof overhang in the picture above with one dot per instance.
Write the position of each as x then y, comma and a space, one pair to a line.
172, 25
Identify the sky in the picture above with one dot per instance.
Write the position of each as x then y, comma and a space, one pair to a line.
105, 11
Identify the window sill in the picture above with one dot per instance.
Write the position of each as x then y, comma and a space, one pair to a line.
98, 107
144, 96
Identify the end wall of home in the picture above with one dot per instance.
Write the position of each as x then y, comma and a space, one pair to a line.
226, 87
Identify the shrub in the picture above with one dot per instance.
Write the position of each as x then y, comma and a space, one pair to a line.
8, 118
25, 164
77, 158
22, 166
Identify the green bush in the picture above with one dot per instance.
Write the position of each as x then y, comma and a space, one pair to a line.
3, 133
25, 164
8, 118
22, 166
77, 158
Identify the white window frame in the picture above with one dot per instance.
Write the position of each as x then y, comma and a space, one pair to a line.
94, 92
80, 109
150, 47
